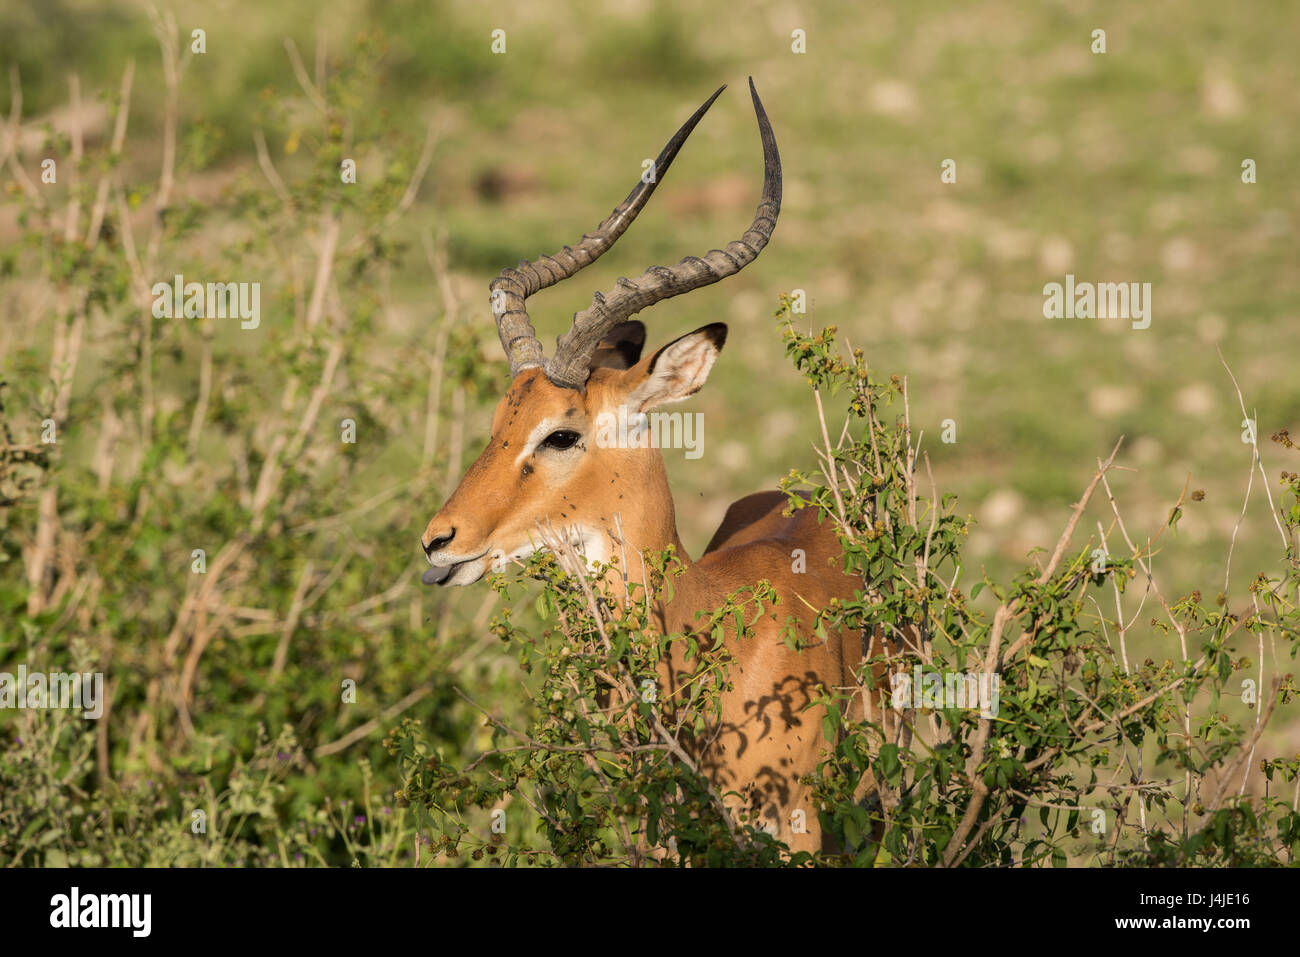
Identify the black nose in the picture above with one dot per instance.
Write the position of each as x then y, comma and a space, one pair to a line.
439, 543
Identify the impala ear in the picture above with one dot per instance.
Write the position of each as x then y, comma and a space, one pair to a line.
621, 347
678, 370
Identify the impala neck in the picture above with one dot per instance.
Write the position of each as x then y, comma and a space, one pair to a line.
651, 525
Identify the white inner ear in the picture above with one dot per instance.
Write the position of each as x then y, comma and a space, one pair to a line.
680, 372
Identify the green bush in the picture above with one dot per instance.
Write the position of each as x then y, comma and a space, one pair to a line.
185, 520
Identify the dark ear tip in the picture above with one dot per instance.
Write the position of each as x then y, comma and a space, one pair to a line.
716, 332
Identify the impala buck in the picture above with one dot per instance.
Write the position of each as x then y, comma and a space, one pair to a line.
543, 467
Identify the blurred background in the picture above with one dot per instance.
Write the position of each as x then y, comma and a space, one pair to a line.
1122, 166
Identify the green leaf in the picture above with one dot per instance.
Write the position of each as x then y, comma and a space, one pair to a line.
852, 836
889, 766
829, 727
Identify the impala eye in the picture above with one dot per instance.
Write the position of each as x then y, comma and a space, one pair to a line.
561, 439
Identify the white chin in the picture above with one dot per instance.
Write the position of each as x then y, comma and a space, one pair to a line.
463, 573
466, 573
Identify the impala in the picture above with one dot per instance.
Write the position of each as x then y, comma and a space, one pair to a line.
541, 467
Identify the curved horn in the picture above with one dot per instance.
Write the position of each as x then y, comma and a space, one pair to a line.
513, 286
571, 364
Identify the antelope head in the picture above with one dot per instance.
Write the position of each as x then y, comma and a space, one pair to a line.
545, 465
